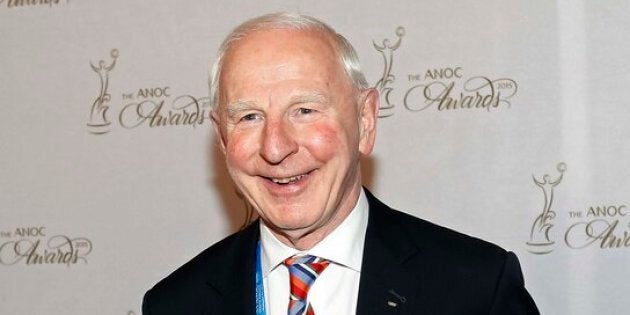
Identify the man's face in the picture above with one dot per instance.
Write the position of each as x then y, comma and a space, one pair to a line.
292, 128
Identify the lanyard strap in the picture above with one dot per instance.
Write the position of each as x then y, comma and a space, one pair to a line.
260, 289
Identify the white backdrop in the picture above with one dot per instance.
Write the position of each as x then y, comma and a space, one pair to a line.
503, 120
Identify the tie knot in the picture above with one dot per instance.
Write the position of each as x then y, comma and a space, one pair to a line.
303, 270
306, 267
304, 260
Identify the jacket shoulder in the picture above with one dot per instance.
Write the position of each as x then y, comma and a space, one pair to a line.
444, 240
449, 253
427, 236
192, 284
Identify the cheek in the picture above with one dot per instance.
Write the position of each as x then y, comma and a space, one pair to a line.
325, 142
239, 150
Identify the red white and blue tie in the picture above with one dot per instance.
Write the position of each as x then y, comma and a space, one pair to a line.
303, 270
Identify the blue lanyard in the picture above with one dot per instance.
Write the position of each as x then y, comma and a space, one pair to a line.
260, 289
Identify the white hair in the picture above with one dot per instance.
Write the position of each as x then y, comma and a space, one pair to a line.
282, 20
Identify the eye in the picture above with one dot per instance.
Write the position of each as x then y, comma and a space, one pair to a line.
249, 117
305, 111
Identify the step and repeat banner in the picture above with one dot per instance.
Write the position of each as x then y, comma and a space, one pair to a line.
505, 120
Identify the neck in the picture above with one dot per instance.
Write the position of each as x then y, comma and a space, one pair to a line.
307, 238
302, 243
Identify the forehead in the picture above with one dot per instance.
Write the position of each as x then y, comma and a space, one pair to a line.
267, 44
266, 56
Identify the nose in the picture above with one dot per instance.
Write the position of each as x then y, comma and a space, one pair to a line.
278, 142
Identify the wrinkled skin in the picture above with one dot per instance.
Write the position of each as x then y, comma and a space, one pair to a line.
292, 128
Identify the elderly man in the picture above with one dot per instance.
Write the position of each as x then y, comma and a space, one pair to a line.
294, 114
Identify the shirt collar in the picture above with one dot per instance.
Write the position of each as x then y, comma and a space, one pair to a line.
344, 246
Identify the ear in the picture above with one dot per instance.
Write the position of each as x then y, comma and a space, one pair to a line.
369, 103
218, 130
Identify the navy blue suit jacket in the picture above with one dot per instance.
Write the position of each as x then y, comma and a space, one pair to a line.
410, 266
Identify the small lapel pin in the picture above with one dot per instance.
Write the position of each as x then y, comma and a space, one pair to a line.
396, 295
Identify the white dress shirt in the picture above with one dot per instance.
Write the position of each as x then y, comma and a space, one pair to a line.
336, 289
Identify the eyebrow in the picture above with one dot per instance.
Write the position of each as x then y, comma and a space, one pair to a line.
308, 98
239, 106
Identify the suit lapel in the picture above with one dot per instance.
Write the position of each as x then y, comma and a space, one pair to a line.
388, 285
234, 282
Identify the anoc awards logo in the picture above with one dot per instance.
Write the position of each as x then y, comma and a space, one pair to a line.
438, 88
152, 107
99, 122
540, 241
34, 245
603, 226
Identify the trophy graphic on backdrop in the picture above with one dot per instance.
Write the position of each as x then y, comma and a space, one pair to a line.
387, 52
539, 241
98, 123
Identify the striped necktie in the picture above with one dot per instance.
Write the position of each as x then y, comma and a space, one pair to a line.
303, 270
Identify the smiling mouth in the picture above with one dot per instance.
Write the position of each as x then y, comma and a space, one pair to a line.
287, 180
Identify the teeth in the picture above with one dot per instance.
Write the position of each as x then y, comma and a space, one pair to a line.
286, 180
